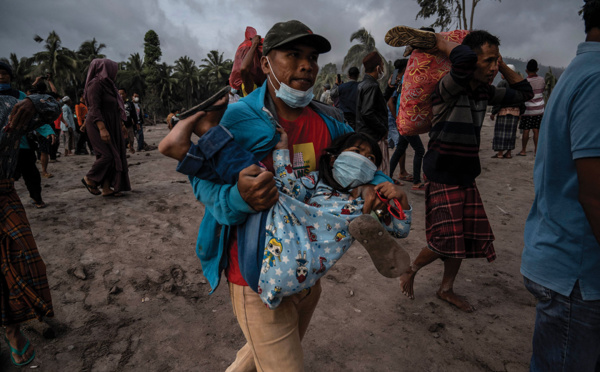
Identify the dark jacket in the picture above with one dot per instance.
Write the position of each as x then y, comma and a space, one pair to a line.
130, 112
371, 109
347, 93
139, 120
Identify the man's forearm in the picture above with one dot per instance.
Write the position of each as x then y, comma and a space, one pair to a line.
177, 143
588, 174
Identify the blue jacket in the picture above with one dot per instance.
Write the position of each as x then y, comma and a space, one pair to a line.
252, 122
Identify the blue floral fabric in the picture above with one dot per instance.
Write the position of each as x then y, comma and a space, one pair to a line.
307, 232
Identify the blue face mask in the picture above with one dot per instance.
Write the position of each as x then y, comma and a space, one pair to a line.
292, 97
351, 169
4, 86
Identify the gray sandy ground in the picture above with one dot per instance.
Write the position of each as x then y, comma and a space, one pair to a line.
129, 292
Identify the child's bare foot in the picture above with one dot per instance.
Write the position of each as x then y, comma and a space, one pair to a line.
407, 280
456, 300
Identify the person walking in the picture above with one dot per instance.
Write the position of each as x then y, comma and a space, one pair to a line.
532, 118
81, 113
561, 255
505, 130
104, 125
371, 106
456, 224
24, 290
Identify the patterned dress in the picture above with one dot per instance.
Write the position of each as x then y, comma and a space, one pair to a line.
307, 232
24, 290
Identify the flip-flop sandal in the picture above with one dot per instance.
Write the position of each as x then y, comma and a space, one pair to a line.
38, 205
208, 105
407, 178
505, 156
93, 190
404, 35
390, 259
20, 353
117, 194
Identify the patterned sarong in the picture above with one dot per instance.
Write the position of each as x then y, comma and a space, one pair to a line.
456, 223
505, 132
24, 290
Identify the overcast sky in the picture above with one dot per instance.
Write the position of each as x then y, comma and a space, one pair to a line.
548, 30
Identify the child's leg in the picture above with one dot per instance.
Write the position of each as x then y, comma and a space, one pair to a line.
216, 157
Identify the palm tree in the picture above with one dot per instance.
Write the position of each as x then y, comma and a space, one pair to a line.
218, 70
88, 51
327, 75
186, 74
165, 83
55, 59
21, 70
132, 77
550, 84
357, 52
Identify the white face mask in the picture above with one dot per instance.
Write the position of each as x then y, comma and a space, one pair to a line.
292, 97
381, 74
136, 99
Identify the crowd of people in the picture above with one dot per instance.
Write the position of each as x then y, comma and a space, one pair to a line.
289, 183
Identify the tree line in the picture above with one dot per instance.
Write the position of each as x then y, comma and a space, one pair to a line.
162, 86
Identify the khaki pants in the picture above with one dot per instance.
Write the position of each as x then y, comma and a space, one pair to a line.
272, 336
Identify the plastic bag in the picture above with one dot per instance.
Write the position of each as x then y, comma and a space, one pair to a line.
422, 74
235, 79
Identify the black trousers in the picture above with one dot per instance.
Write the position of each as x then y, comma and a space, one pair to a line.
54, 148
83, 139
31, 175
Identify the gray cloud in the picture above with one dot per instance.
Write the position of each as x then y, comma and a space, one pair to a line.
548, 30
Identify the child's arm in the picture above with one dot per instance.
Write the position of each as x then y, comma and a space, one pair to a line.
285, 179
397, 227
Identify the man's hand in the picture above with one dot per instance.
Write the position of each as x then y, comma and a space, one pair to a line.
20, 116
367, 192
257, 188
52, 138
492, 117
283, 140
256, 40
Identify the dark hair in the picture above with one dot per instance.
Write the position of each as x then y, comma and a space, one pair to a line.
532, 65
478, 38
6, 66
430, 29
123, 89
337, 147
80, 94
591, 14
371, 61
400, 64
353, 72
39, 88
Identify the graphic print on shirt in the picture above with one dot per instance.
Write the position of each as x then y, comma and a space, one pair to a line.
305, 160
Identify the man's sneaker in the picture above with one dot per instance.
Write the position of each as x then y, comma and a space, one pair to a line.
404, 35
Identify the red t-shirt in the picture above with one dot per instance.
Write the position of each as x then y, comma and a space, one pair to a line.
58, 121
308, 136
